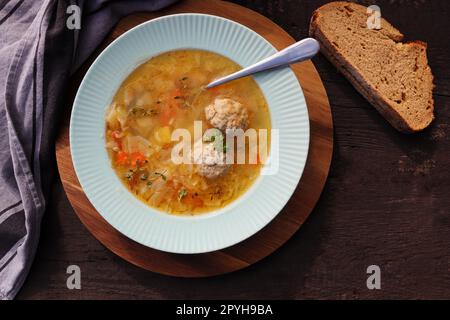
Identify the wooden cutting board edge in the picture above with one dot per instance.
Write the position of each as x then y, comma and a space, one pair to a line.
270, 238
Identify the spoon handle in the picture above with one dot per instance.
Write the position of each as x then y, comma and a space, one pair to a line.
299, 51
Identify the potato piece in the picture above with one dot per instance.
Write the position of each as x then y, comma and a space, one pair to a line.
145, 99
163, 135
145, 125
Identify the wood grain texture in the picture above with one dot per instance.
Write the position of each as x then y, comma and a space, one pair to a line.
280, 229
386, 201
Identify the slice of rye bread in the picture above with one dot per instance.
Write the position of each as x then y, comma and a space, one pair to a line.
393, 76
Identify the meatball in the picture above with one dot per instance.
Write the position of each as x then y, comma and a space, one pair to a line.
211, 163
225, 113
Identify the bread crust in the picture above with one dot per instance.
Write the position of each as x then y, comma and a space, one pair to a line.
356, 78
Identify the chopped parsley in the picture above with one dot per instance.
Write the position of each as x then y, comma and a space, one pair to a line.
217, 137
143, 112
182, 193
162, 175
150, 180
129, 175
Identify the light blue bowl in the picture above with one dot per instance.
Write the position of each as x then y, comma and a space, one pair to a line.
218, 229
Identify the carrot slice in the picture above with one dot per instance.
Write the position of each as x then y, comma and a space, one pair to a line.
137, 158
176, 93
194, 201
115, 134
116, 137
122, 158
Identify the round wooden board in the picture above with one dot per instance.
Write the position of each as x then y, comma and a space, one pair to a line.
287, 222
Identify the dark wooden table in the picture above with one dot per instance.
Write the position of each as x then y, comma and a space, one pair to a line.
386, 202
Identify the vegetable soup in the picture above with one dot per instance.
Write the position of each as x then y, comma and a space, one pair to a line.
167, 93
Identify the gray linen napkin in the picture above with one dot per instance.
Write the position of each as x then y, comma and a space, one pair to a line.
37, 53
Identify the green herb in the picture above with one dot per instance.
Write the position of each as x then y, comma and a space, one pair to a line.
218, 139
186, 104
220, 146
177, 97
182, 193
162, 175
129, 175
155, 175
213, 135
142, 112
208, 138
184, 78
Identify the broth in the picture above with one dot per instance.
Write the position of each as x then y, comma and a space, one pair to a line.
166, 93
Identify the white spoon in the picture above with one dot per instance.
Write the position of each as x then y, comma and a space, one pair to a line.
303, 50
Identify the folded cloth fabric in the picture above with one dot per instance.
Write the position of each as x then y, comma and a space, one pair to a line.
38, 50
